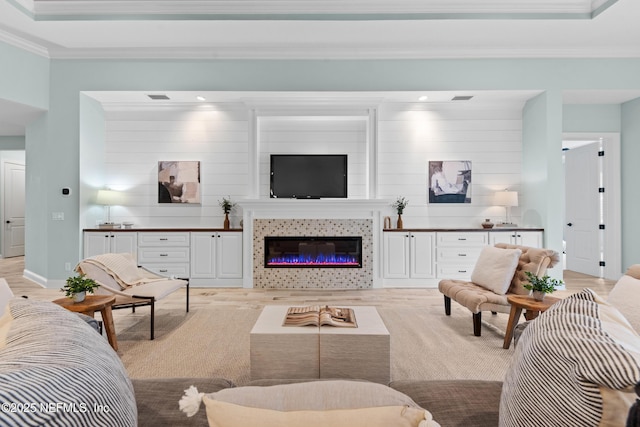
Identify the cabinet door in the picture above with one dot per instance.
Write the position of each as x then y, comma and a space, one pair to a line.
124, 243
396, 255
507, 237
96, 243
422, 255
203, 250
529, 238
229, 255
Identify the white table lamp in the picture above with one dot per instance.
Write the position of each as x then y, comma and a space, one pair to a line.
108, 198
507, 199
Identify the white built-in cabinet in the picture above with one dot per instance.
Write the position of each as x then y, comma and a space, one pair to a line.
409, 255
104, 242
517, 237
423, 258
457, 253
216, 255
207, 258
165, 253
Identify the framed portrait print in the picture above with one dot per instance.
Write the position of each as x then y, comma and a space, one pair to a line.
179, 182
449, 181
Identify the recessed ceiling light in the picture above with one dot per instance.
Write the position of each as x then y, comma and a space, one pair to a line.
423, 98
158, 97
201, 98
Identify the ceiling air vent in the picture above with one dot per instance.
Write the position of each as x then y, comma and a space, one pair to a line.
158, 97
462, 98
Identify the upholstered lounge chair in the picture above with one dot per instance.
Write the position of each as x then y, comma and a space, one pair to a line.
133, 286
478, 298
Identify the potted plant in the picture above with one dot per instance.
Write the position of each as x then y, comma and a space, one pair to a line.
539, 286
399, 206
227, 206
78, 286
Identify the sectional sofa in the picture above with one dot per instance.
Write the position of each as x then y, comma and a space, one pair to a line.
576, 364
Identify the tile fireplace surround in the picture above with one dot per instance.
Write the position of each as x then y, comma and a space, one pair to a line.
311, 218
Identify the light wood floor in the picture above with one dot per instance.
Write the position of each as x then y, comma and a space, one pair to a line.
12, 270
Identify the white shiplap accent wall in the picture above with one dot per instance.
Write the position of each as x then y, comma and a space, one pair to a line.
135, 141
410, 135
407, 137
315, 135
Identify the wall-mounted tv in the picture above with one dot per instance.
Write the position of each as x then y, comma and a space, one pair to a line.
308, 176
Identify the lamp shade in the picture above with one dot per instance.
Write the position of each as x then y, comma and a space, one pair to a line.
506, 198
108, 197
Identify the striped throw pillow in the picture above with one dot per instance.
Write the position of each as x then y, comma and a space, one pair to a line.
575, 365
55, 370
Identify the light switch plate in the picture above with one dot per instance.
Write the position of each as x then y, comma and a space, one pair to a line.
57, 216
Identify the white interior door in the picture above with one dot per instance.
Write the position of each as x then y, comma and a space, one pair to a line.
14, 201
582, 210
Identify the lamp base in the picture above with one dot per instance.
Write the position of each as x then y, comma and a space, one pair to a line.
108, 225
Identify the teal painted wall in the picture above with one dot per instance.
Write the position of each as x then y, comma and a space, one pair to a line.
630, 153
592, 118
542, 171
12, 142
53, 141
24, 77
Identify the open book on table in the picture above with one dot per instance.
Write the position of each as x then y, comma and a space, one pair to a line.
316, 315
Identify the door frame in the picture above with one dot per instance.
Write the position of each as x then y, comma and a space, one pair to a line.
3, 214
611, 179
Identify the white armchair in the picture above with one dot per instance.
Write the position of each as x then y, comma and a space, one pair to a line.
133, 286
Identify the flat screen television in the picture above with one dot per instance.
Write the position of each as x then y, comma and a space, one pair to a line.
308, 176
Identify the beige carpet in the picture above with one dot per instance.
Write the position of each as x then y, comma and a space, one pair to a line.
213, 341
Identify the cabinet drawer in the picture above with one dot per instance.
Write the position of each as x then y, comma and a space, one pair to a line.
171, 270
459, 255
163, 255
460, 271
462, 239
163, 239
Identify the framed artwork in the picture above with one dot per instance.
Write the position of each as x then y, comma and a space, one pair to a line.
179, 182
449, 181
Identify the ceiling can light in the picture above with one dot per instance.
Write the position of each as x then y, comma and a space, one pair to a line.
423, 98
201, 98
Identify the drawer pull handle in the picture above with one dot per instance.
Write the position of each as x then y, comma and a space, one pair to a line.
462, 271
462, 238
462, 254
163, 270
164, 254
164, 238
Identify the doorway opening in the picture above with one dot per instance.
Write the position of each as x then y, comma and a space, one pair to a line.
591, 237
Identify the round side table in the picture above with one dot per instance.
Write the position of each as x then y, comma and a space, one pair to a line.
89, 306
524, 302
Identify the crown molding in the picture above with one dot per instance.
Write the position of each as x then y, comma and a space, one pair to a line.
21, 43
310, 9
251, 52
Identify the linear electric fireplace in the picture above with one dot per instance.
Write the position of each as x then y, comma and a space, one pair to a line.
316, 252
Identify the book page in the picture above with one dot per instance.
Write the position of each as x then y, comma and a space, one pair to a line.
302, 316
337, 316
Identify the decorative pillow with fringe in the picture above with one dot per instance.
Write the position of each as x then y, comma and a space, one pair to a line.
339, 402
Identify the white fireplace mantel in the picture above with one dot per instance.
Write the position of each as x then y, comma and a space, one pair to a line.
312, 209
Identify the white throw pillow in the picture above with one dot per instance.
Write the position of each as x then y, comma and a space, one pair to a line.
495, 268
625, 296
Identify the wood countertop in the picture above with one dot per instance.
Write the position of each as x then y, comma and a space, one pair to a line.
465, 230
164, 230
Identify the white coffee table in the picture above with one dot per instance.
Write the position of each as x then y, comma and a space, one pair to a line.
326, 352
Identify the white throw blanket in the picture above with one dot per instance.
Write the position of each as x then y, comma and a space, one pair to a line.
123, 269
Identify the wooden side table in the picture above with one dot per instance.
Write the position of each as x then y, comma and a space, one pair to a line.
526, 302
89, 306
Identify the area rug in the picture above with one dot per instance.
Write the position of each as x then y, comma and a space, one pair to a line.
213, 341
